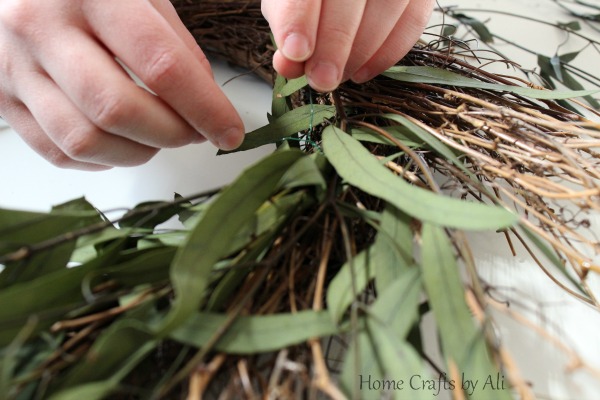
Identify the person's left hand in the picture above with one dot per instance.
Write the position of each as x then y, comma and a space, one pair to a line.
335, 40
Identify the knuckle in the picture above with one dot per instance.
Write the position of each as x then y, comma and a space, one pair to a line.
162, 69
79, 145
109, 110
340, 34
18, 16
59, 159
422, 15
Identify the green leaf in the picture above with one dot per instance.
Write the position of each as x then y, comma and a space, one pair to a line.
389, 320
552, 257
400, 133
210, 240
479, 27
362, 368
145, 267
556, 67
358, 167
548, 71
297, 120
149, 214
463, 344
10, 359
397, 306
568, 57
572, 25
378, 365
19, 229
292, 86
308, 171
256, 334
270, 219
279, 105
434, 143
47, 297
432, 75
393, 246
115, 354
349, 282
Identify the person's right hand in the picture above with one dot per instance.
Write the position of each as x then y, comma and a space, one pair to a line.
63, 91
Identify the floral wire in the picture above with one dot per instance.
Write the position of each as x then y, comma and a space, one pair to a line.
309, 139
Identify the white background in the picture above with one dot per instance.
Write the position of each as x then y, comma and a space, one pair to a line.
28, 182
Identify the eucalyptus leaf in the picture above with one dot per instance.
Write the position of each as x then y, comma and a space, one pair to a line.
150, 214
432, 142
363, 372
548, 71
112, 351
397, 306
146, 267
256, 334
349, 282
292, 86
478, 26
402, 365
117, 352
552, 257
463, 344
400, 133
297, 120
279, 105
379, 366
19, 229
271, 218
572, 25
47, 297
358, 167
308, 171
393, 246
432, 75
210, 240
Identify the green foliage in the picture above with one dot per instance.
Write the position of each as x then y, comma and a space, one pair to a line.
358, 167
445, 77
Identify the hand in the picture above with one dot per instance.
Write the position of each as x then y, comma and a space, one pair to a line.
335, 40
63, 91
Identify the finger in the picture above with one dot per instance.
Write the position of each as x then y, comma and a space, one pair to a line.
71, 131
157, 55
167, 10
294, 25
337, 29
21, 120
407, 31
287, 68
374, 29
106, 95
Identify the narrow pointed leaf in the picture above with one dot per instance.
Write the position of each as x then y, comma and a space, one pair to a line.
256, 334
358, 167
210, 240
463, 344
292, 86
432, 75
297, 120
350, 281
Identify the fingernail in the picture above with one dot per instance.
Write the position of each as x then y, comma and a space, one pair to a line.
324, 76
296, 47
362, 75
230, 139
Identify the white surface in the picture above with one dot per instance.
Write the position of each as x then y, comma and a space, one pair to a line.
28, 182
